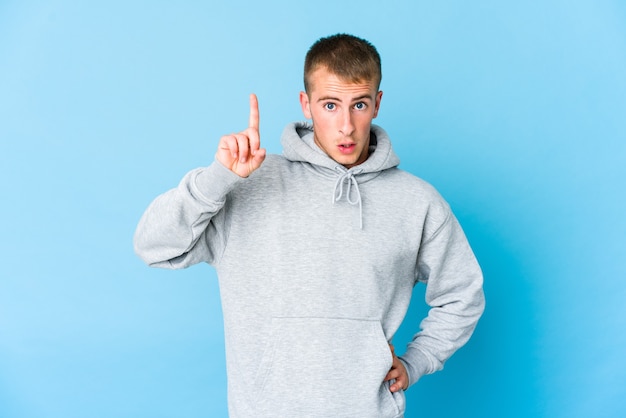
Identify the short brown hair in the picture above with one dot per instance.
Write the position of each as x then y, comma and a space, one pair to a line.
348, 57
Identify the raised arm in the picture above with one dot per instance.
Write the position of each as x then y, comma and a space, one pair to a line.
185, 225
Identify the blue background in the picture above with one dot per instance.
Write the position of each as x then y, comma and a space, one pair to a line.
515, 111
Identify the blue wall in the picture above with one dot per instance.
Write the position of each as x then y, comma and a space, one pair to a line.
515, 112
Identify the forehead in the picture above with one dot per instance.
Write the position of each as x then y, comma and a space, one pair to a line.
323, 82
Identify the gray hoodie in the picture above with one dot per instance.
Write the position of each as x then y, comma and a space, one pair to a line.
316, 266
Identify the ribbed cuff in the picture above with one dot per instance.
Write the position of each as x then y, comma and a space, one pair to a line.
212, 184
417, 364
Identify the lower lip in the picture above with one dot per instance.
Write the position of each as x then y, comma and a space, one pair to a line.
347, 150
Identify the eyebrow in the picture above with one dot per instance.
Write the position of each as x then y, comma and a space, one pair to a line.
356, 99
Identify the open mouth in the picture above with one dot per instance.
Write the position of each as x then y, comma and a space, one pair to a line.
346, 148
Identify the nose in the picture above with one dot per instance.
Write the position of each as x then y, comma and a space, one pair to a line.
346, 125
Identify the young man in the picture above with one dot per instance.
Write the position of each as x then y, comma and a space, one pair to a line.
317, 252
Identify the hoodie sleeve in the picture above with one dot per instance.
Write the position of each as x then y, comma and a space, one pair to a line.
186, 225
454, 292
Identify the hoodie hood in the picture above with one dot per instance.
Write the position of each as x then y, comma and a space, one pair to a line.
299, 146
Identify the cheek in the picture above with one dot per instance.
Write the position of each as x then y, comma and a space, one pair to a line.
321, 121
364, 123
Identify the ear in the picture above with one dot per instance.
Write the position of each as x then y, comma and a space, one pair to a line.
379, 97
306, 107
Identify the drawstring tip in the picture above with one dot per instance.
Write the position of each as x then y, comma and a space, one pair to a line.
350, 181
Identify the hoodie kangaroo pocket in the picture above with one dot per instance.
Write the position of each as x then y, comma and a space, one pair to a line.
326, 367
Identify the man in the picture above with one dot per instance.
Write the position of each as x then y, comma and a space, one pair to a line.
317, 252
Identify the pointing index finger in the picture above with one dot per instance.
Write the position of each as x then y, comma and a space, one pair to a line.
254, 112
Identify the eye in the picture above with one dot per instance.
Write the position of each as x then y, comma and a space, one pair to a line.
330, 106
360, 106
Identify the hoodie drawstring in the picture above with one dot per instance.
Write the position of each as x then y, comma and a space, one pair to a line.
347, 178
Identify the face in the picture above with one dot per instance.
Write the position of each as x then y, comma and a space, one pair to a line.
342, 114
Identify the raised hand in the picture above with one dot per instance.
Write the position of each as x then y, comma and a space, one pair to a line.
242, 152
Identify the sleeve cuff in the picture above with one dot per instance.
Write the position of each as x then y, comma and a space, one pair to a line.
211, 184
417, 364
